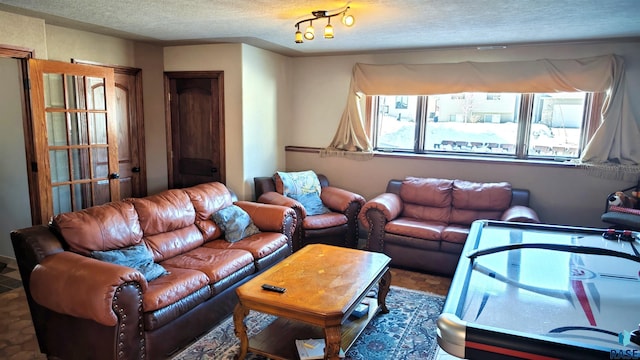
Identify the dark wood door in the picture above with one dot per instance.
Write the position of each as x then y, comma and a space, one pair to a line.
196, 128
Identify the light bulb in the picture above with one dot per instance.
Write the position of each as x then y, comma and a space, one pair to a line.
309, 34
328, 30
348, 20
298, 37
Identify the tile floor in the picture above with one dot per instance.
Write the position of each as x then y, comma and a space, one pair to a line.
17, 336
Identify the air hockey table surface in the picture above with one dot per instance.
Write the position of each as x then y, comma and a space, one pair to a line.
537, 291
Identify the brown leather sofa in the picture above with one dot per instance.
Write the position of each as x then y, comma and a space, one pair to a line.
423, 223
339, 227
84, 308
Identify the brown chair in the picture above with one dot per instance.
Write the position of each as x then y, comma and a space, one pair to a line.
338, 227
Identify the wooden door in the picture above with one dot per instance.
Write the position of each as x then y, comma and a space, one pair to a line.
131, 149
130, 122
75, 137
195, 128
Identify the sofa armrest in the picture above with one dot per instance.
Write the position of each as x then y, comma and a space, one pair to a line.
520, 213
268, 217
389, 204
275, 198
59, 279
374, 216
340, 200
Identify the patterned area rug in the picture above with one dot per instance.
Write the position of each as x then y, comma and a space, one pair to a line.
408, 331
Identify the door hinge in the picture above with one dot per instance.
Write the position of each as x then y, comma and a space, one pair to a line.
27, 84
34, 166
169, 95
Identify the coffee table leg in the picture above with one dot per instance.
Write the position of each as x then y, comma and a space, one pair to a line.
239, 313
385, 282
332, 336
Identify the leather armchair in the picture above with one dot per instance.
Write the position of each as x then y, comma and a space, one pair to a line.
338, 227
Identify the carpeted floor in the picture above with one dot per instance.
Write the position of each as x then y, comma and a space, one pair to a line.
408, 331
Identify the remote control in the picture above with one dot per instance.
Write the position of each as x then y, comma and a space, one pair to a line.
273, 288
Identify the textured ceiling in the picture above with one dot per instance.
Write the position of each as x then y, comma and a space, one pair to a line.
381, 25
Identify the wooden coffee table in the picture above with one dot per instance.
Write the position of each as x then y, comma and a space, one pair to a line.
323, 285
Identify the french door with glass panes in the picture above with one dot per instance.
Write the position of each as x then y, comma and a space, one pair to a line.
74, 136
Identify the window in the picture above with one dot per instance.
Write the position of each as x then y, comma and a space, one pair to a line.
525, 126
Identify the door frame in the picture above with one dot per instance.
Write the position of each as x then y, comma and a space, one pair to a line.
23, 54
168, 76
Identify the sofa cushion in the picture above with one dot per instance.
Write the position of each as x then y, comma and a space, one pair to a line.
473, 201
137, 257
481, 196
235, 223
215, 263
167, 221
455, 234
428, 230
207, 199
427, 191
100, 228
426, 198
330, 219
167, 211
259, 245
176, 285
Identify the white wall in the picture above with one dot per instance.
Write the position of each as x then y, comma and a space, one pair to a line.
561, 194
266, 108
14, 192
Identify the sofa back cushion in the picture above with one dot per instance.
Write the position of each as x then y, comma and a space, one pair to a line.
100, 228
207, 199
167, 220
426, 198
472, 201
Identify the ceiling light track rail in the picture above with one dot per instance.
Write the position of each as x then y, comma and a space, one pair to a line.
309, 33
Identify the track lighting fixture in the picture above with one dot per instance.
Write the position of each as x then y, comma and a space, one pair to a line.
309, 33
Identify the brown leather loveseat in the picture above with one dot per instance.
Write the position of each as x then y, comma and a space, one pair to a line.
423, 223
85, 308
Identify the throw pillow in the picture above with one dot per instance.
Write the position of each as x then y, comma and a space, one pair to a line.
299, 183
136, 256
311, 203
235, 223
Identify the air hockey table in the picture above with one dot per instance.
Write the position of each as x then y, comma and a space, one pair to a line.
535, 291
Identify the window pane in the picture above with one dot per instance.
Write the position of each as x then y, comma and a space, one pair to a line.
95, 94
557, 124
53, 91
80, 159
61, 199
56, 129
396, 124
98, 124
473, 122
59, 163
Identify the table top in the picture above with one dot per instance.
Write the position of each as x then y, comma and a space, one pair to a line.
553, 283
322, 282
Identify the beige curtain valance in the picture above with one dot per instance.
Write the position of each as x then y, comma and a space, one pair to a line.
614, 142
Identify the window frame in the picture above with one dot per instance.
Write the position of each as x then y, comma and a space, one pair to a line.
593, 104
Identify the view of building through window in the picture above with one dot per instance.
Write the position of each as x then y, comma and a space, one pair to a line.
550, 125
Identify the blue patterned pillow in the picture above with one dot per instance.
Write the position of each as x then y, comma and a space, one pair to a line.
235, 223
137, 257
311, 203
299, 183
